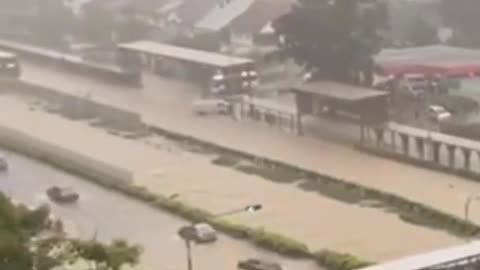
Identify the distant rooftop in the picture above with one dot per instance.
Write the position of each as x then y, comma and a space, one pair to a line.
337, 90
439, 59
429, 54
185, 54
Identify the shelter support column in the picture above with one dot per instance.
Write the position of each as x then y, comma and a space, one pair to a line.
379, 136
299, 124
420, 144
405, 145
451, 155
467, 154
435, 151
393, 141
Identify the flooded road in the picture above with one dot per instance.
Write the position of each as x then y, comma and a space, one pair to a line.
114, 216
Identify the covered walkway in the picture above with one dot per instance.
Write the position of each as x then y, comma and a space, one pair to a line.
461, 257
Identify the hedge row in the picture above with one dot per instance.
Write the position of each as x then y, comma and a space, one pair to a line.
339, 261
268, 240
408, 210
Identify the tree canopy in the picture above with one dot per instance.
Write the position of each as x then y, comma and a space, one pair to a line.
422, 33
30, 240
462, 17
334, 38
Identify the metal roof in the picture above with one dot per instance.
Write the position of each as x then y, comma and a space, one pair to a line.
340, 91
185, 54
435, 54
430, 259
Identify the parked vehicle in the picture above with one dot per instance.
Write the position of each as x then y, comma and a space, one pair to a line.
258, 264
438, 113
211, 106
62, 195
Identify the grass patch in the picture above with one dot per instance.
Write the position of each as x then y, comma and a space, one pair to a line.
226, 161
272, 173
333, 191
339, 261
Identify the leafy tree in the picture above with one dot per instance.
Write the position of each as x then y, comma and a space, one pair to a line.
462, 17
334, 38
97, 23
422, 33
52, 22
28, 241
107, 257
131, 28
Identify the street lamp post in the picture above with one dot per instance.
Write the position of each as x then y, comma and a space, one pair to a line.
466, 206
467, 203
187, 233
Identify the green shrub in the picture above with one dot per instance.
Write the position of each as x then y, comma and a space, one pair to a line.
333, 260
226, 160
233, 229
279, 243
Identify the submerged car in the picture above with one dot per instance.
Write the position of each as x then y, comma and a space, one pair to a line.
438, 113
258, 264
199, 233
211, 106
62, 195
3, 163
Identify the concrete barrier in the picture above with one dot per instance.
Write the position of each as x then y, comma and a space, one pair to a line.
80, 107
63, 158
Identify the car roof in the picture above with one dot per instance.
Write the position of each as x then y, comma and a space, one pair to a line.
204, 227
436, 107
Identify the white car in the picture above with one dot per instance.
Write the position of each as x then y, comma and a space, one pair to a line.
438, 113
211, 106
204, 233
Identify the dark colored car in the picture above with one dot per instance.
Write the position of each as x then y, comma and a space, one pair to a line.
62, 195
257, 264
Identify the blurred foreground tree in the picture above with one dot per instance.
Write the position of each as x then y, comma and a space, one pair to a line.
335, 38
29, 240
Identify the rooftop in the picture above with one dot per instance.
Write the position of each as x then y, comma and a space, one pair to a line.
185, 54
431, 259
436, 55
340, 91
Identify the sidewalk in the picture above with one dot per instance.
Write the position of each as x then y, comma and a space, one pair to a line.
168, 104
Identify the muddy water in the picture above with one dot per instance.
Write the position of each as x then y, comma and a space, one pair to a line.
167, 104
162, 166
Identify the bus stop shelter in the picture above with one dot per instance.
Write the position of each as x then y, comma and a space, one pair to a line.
186, 63
360, 105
